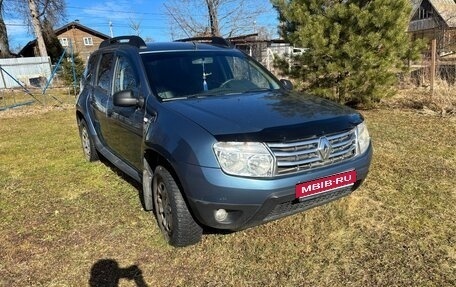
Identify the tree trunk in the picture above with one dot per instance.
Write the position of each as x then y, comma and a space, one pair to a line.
213, 17
4, 45
36, 24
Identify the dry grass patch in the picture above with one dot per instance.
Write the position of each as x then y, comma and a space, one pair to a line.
63, 218
442, 102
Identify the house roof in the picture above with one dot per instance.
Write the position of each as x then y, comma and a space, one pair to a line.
76, 24
445, 8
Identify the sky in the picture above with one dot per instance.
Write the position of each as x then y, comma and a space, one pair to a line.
149, 14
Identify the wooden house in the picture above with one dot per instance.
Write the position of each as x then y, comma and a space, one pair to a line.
81, 39
435, 19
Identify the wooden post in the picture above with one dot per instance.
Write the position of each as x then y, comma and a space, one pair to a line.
433, 60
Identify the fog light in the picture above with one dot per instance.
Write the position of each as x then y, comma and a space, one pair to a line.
221, 215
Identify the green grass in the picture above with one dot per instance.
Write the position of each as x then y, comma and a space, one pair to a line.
62, 216
11, 98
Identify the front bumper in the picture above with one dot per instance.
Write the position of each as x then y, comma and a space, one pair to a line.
251, 202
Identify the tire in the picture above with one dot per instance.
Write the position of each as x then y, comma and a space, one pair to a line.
173, 217
88, 147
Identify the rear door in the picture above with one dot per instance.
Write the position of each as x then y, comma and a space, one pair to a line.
102, 92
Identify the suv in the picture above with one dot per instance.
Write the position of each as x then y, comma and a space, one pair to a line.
215, 139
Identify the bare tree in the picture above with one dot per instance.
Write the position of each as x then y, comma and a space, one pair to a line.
4, 45
36, 25
135, 26
37, 14
212, 9
212, 17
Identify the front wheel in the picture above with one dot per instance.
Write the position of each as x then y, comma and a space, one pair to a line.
173, 217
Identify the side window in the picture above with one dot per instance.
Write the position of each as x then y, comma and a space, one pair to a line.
124, 75
64, 42
88, 41
90, 70
104, 72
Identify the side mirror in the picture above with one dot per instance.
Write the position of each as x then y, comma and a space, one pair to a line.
287, 84
126, 99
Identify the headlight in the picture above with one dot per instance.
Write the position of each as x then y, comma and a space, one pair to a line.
363, 138
244, 159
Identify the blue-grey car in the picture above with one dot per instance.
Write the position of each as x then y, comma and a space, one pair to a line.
215, 139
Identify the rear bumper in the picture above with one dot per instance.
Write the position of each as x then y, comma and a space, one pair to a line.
251, 202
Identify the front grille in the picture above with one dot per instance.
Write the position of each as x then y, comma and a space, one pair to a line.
305, 154
291, 207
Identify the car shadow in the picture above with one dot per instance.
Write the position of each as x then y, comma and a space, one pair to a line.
138, 186
107, 273
119, 172
124, 176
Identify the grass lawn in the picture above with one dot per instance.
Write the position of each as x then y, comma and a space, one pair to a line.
67, 222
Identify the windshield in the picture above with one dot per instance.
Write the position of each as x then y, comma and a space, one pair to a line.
177, 75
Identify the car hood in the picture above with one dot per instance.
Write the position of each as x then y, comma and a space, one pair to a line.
266, 116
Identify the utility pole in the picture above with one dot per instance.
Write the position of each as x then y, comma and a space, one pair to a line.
110, 28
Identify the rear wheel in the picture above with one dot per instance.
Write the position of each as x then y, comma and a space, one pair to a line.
88, 147
173, 217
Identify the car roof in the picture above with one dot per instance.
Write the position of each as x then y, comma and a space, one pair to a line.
190, 44
181, 46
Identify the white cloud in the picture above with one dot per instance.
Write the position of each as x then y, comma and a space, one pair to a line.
111, 10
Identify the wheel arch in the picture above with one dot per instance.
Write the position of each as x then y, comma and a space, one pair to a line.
79, 117
82, 116
152, 159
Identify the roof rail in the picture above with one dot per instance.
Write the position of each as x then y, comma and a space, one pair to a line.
217, 41
130, 40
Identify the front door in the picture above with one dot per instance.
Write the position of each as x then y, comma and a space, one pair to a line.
126, 123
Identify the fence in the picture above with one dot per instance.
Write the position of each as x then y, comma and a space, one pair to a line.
28, 71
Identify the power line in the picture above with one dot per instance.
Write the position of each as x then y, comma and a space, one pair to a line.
119, 11
16, 25
143, 13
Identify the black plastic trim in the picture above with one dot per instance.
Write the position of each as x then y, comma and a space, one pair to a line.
132, 40
217, 41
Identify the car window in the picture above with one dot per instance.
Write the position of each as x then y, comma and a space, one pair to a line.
124, 75
183, 74
90, 70
246, 70
104, 72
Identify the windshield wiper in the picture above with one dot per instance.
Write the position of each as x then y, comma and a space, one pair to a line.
217, 92
256, 90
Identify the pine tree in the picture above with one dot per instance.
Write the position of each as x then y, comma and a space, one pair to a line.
355, 48
67, 70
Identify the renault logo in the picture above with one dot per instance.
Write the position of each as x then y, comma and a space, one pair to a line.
324, 148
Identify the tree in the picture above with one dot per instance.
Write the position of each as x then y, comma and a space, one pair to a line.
212, 10
36, 25
135, 26
53, 46
227, 18
4, 45
355, 48
68, 76
39, 15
